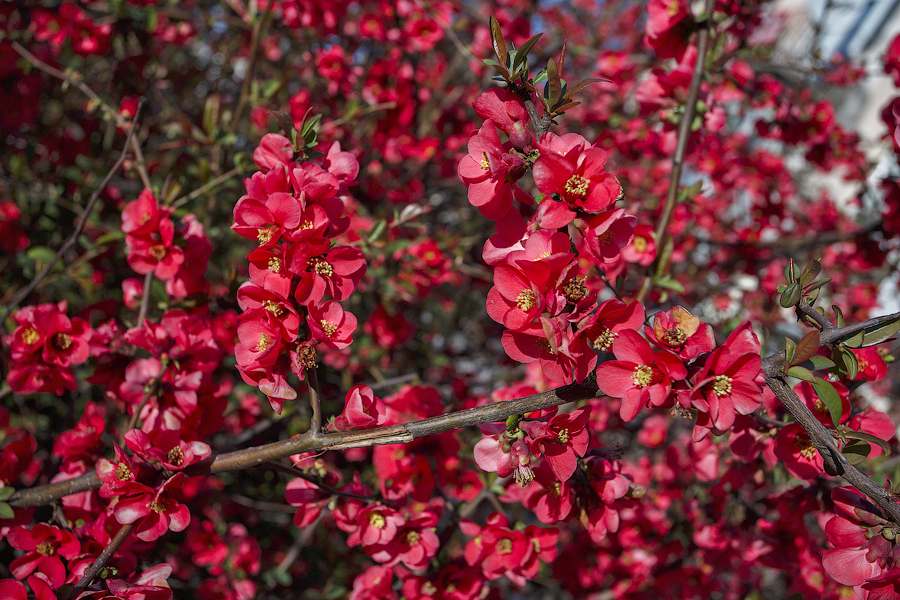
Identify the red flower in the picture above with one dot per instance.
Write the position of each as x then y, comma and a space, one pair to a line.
336, 272
730, 381
551, 498
507, 113
640, 375
43, 545
574, 170
157, 509
561, 440
166, 447
329, 324
607, 233
362, 410
642, 249
489, 172
503, 454
680, 332
267, 221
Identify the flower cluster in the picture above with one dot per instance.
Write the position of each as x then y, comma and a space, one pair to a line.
43, 348
294, 211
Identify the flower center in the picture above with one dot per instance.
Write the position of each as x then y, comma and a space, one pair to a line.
575, 289
158, 251
155, 506
264, 236
328, 327
306, 356
675, 336
640, 243
605, 339
577, 186
123, 473
377, 520
275, 265
504, 546
412, 538
722, 385
62, 341
563, 437
263, 343
805, 446
323, 268
175, 456
30, 336
604, 238
273, 307
526, 300
45, 549
485, 163
555, 489
642, 376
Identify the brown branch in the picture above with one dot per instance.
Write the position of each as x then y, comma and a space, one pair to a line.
79, 226
835, 462
74, 79
808, 311
393, 434
684, 134
315, 419
102, 560
258, 27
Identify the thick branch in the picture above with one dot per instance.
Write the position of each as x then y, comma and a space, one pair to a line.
835, 461
394, 434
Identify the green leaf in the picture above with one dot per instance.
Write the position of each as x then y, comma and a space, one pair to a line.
497, 40
856, 452
806, 347
814, 286
112, 236
801, 373
541, 76
524, 49
211, 112
40, 254
377, 230
285, 122
851, 362
855, 340
553, 91
7, 492
790, 272
838, 315
791, 296
670, 284
665, 257
583, 84
811, 271
830, 398
868, 437
6, 511
881, 332
790, 348
816, 362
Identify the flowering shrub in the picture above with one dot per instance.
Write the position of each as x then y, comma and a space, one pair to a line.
296, 297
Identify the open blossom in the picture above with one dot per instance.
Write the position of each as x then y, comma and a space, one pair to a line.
680, 332
154, 510
150, 237
331, 325
505, 455
560, 440
639, 376
43, 545
575, 171
490, 172
730, 381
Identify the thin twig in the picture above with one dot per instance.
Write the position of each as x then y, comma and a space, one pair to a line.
315, 419
316, 481
806, 310
102, 560
145, 299
684, 134
258, 27
79, 226
74, 80
208, 186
